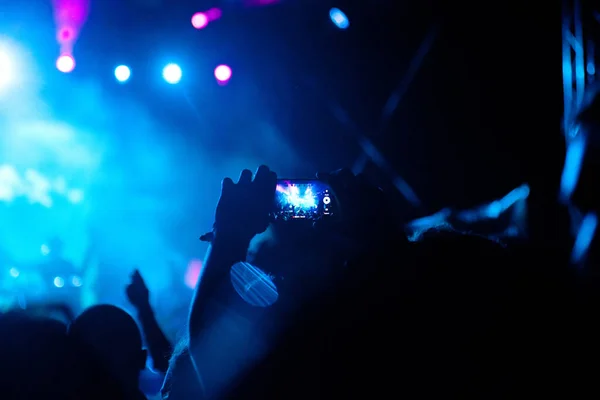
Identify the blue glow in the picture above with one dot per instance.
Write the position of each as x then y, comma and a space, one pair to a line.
293, 196
584, 237
14, 272
76, 281
339, 18
59, 282
497, 207
172, 74
572, 168
303, 200
591, 68
122, 73
253, 285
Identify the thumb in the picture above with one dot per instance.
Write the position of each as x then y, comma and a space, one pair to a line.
226, 185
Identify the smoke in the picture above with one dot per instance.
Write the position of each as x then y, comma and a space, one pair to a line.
97, 169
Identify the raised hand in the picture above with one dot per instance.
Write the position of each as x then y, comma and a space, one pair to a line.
244, 208
137, 291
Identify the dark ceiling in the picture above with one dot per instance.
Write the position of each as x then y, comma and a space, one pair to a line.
481, 116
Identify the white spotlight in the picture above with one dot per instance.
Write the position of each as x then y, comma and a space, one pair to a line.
172, 73
122, 73
65, 63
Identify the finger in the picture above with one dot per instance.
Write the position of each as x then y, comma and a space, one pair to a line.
272, 181
226, 184
142, 281
270, 186
266, 180
262, 173
245, 177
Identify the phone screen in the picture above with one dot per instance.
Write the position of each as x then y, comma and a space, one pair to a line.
303, 199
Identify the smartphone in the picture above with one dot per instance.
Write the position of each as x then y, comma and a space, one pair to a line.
303, 199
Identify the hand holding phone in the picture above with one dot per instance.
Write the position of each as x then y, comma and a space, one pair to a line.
303, 199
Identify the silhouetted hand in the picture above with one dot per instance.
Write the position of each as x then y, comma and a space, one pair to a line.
244, 207
137, 291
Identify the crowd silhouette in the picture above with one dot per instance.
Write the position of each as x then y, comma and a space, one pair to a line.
344, 307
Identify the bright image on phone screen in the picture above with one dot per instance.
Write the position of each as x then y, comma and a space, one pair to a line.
302, 199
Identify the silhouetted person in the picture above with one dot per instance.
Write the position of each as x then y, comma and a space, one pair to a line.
160, 348
113, 336
40, 361
182, 382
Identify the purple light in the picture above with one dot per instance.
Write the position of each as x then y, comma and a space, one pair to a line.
214, 14
223, 73
65, 63
65, 35
192, 274
199, 20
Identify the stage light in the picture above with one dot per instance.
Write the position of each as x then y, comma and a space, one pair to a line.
339, 18
14, 272
172, 73
223, 73
59, 282
122, 73
65, 63
76, 281
65, 35
199, 20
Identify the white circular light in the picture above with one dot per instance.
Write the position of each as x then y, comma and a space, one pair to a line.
122, 73
65, 63
59, 282
172, 73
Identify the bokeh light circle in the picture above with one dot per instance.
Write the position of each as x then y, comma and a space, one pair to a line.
122, 73
65, 63
223, 73
339, 18
199, 20
172, 73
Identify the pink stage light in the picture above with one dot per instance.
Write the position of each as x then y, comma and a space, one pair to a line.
65, 35
65, 63
199, 20
223, 73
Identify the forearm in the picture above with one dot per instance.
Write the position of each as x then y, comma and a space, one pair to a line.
158, 345
221, 255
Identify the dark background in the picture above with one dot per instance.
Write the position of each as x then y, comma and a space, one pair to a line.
481, 116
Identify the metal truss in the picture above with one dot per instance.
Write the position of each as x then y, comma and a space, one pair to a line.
369, 150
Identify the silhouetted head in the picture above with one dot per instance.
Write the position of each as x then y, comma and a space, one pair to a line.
113, 336
39, 360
